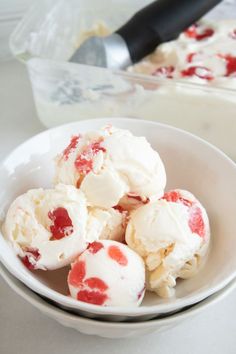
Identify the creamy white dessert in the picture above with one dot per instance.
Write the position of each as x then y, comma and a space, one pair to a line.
111, 164
107, 224
205, 53
172, 236
108, 273
48, 229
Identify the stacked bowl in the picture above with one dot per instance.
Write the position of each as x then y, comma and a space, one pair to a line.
191, 164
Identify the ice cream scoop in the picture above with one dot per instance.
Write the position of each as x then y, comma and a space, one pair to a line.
159, 22
108, 273
172, 235
47, 228
110, 164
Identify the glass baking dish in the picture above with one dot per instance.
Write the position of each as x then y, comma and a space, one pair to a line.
66, 92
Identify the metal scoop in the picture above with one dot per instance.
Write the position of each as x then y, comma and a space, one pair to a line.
159, 22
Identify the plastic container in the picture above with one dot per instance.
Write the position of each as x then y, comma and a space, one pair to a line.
11, 11
65, 92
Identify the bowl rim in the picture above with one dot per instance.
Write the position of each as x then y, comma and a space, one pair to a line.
50, 309
68, 302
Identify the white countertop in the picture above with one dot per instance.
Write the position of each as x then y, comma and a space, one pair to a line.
23, 330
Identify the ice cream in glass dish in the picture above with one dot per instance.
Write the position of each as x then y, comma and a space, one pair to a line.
205, 53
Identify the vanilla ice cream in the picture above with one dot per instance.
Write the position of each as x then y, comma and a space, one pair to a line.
108, 273
172, 235
110, 164
107, 224
205, 53
47, 228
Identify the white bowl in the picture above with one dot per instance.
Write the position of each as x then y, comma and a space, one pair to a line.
190, 162
111, 329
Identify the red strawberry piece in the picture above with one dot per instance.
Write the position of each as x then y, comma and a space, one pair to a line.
96, 147
95, 246
25, 260
77, 273
164, 71
172, 196
208, 32
92, 297
72, 145
117, 255
30, 253
62, 225
175, 197
199, 71
191, 32
119, 208
96, 283
196, 222
135, 196
83, 165
190, 57
195, 32
84, 161
230, 64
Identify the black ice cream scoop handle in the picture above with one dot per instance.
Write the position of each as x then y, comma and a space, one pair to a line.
160, 22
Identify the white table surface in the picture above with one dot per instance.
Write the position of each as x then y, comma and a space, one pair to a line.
23, 330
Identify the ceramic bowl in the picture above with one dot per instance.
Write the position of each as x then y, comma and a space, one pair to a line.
191, 163
112, 329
